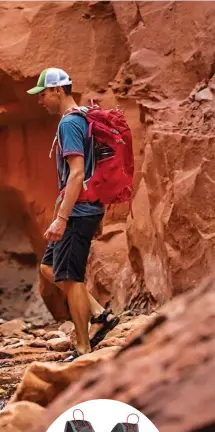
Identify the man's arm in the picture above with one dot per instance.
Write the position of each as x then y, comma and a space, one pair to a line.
73, 185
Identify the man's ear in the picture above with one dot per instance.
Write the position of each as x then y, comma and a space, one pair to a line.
60, 91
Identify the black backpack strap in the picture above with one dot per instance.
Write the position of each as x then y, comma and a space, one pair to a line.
76, 426
68, 427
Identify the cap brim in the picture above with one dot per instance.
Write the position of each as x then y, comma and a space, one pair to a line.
35, 90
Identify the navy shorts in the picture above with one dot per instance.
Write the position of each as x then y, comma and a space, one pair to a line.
68, 257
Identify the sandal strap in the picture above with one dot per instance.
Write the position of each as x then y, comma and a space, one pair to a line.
101, 319
74, 354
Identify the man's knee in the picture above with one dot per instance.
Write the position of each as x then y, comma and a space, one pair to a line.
47, 272
70, 285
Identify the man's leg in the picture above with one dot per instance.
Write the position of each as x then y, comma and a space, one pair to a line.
95, 308
80, 310
67, 259
79, 307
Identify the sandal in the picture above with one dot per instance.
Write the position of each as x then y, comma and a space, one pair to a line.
107, 326
74, 355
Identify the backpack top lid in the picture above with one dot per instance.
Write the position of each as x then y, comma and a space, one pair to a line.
127, 427
78, 425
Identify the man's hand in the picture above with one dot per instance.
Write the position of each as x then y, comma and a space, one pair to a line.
56, 230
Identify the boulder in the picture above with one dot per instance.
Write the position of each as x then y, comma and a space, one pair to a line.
13, 328
54, 335
59, 344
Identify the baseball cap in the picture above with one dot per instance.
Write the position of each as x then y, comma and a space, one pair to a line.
51, 77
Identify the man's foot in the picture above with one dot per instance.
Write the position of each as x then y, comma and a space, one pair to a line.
102, 324
74, 355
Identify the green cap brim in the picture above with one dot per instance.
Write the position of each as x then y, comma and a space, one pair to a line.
35, 90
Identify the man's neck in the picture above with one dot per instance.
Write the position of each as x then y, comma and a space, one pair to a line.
66, 104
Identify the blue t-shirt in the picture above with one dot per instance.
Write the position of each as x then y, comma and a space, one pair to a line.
73, 139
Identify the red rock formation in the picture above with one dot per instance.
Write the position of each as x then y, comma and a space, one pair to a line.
110, 274
150, 52
166, 371
168, 374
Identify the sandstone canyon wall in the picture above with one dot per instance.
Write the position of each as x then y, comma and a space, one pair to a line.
147, 57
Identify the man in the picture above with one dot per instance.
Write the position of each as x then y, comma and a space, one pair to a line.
76, 223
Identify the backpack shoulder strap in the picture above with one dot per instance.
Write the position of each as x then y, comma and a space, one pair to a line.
78, 111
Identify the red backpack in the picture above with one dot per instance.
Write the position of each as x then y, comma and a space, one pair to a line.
111, 140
